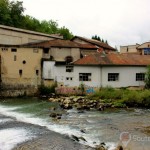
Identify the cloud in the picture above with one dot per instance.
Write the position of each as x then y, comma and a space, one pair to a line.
121, 22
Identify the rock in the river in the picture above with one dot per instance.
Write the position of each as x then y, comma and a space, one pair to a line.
55, 115
119, 147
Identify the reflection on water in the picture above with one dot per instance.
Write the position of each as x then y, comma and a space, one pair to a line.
93, 126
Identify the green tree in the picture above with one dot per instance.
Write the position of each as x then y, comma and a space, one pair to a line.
147, 78
16, 13
11, 14
65, 33
5, 18
95, 37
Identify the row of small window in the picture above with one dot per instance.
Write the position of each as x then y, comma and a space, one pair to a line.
115, 76
21, 72
111, 76
35, 50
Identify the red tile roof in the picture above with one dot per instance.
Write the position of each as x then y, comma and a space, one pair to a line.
114, 59
95, 42
61, 43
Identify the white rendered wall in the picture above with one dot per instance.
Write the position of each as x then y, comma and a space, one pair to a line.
127, 76
99, 76
61, 74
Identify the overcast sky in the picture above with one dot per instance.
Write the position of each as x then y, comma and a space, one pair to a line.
121, 22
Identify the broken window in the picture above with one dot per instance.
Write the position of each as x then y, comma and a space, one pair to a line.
69, 68
69, 59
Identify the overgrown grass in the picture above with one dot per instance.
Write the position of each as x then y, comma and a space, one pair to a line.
123, 97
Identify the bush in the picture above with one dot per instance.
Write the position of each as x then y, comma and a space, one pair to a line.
123, 97
47, 90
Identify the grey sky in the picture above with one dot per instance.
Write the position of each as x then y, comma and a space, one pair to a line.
121, 22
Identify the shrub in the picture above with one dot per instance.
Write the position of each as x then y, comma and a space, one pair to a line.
46, 90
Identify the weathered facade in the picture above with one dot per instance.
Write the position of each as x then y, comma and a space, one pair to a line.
100, 70
20, 70
101, 47
16, 36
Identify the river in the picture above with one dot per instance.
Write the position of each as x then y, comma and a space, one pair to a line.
25, 124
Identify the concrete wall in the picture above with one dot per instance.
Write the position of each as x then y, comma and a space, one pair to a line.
15, 36
127, 76
62, 75
99, 78
59, 54
129, 49
26, 59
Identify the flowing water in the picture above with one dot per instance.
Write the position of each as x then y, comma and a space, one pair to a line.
25, 123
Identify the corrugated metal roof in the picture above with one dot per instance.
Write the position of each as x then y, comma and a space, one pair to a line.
95, 42
114, 59
62, 44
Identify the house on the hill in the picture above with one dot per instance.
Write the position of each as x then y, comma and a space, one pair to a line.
102, 47
101, 70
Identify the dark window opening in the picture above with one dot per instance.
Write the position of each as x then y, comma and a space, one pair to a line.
69, 59
69, 68
140, 76
24, 62
20, 72
13, 50
113, 76
37, 72
4, 49
46, 50
84, 76
15, 58
69, 78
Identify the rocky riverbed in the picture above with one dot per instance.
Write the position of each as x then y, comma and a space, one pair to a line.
81, 103
32, 124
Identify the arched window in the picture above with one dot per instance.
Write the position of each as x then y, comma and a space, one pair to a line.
69, 59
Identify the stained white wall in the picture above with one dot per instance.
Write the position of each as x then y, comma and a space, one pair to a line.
127, 76
61, 75
48, 70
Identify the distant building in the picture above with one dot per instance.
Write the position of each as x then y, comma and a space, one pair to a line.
100, 45
16, 36
143, 49
129, 48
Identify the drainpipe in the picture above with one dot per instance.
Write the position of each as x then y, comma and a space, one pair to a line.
0, 75
101, 77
